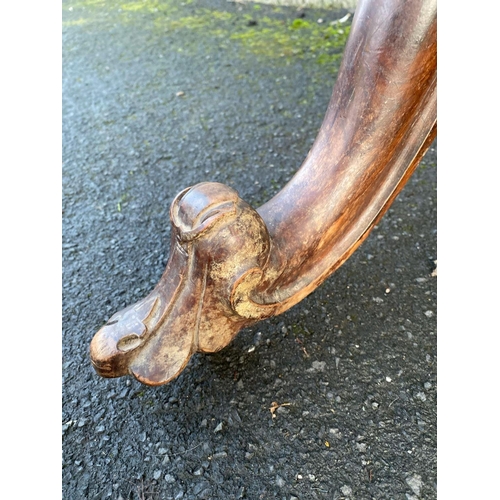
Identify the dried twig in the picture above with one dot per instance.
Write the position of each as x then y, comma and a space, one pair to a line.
298, 341
275, 406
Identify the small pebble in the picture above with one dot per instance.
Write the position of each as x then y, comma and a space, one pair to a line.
336, 433
361, 447
169, 478
157, 474
282, 410
421, 396
346, 490
415, 483
317, 366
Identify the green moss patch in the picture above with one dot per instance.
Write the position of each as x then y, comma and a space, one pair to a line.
265, 32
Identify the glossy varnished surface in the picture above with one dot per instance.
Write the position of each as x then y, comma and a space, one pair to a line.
231, 265
379, 122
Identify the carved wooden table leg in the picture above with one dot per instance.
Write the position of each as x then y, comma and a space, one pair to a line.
230, 265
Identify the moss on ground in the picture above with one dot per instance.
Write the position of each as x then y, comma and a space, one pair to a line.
272, 33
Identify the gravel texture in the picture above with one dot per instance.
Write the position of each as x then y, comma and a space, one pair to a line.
334, 399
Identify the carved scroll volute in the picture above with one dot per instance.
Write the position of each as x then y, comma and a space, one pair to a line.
226, 269
220, 247
230, 248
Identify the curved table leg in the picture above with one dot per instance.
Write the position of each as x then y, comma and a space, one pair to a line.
230, 265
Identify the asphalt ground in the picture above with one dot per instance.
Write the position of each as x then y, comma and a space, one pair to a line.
157, 97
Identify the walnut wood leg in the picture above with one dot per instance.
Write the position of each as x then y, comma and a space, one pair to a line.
230, 265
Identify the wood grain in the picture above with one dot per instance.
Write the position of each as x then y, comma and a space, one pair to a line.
231, 265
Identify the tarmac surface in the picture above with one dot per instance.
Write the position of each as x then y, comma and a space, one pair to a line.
158, 96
